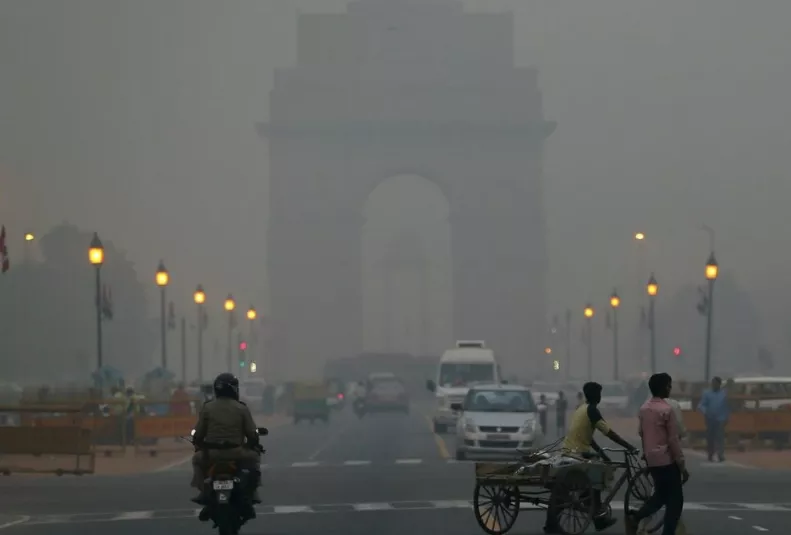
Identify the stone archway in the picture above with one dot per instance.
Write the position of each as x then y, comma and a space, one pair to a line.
378, 92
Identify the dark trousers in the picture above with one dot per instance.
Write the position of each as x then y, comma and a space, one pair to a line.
715, 438
668, 492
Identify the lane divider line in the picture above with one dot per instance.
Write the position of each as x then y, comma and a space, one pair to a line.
12, 523
441, 446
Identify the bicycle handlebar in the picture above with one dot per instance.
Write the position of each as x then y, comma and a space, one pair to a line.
622, 450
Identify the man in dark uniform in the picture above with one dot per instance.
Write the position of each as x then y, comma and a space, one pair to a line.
225, 432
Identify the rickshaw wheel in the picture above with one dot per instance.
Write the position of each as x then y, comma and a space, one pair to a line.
571, 502
496, 507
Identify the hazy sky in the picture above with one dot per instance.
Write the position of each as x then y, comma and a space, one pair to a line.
136, 118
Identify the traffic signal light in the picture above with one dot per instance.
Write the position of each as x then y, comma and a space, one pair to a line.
242, 349
677, 351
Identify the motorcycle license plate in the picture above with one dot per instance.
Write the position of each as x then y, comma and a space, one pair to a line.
223, 485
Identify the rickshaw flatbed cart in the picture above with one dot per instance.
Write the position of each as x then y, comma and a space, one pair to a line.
564, 485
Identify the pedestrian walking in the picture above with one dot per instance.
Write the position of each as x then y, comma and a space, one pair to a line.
714, 406
561, 408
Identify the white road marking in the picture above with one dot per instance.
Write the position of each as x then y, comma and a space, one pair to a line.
308, 464
12, 523
409, 461
764, 507
759, 528
174, 464
135, 515
372, 507
735, 517
451, 504
356, 463
292, 509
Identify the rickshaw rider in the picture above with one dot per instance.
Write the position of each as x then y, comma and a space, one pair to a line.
579, 440
225, 432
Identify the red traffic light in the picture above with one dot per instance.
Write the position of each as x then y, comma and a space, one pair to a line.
677, 351
242, 346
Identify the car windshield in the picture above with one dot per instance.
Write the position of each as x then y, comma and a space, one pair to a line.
458, 374
499, 401
613, 390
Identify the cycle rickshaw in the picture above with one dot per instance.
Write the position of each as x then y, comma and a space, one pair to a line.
562, 483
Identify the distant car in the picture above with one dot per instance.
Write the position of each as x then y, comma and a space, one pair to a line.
495, 420
385, 394
252, 393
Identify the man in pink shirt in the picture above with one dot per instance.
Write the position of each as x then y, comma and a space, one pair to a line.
664, 457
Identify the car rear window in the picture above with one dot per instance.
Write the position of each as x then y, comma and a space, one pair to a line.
389, 387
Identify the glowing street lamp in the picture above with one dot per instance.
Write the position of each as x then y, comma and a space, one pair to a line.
615, 302
229, 306
29, 236
162, 279
712, 272
589, 313
252, 314
652, 289
96, 251
200, 299
96, 258
712, 268
639, 236
548, 350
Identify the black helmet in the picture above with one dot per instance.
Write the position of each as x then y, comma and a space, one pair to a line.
226, 385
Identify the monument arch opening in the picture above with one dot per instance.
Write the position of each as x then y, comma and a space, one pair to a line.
406, 267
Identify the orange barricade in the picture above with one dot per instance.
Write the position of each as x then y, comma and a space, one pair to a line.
745, 428
23, 447
160, 433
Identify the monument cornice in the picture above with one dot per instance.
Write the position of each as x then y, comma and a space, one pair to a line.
382, 128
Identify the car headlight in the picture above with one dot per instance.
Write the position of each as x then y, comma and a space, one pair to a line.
529, 427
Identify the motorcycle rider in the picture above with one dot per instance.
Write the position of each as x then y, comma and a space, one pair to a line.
225, 432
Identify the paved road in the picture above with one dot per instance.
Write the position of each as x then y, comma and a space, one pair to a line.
386, 474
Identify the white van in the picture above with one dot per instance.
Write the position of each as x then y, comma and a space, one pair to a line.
467, 364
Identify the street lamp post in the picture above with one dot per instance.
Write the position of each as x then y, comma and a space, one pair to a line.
615, 302
652, 288
230, 305
96, 258
589, 331
252, 315
162, 279
712, 271
200, 298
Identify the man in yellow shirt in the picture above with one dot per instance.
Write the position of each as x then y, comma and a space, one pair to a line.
579, 440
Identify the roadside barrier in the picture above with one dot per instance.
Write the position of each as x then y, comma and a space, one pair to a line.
158, 426
59, 447
745, 428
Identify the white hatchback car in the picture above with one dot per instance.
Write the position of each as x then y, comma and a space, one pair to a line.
495, 420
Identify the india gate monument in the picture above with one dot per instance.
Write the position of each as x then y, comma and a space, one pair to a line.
393, 87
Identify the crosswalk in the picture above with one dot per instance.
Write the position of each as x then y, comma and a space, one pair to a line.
352, 463
173, 514
361, 463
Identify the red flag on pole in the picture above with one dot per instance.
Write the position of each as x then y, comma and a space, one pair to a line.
4, 260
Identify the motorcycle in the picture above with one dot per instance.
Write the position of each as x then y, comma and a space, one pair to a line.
228, 496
